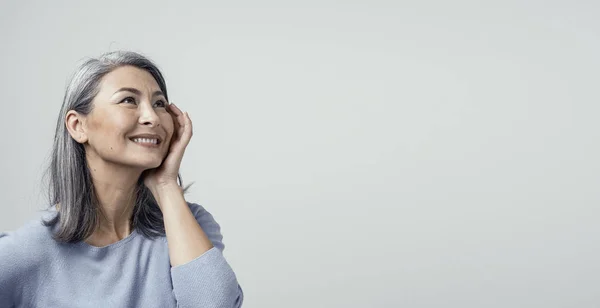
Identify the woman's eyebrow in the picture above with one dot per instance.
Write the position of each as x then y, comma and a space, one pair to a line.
138, 92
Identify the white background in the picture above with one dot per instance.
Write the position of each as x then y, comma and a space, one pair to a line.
358, 153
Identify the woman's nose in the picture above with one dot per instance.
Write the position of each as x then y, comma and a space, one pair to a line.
148, 116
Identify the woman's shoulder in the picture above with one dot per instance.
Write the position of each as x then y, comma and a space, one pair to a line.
29, 237
23, 253
203, 216
197, 209
209, 225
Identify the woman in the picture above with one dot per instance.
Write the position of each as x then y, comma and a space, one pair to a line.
118, 232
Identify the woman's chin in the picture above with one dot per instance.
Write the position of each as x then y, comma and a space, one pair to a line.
148, 165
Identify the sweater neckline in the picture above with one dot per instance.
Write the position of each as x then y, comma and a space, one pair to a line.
85, 245
119, 243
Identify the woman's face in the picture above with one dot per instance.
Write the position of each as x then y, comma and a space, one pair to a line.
129, 104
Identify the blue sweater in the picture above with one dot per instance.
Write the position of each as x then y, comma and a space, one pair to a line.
37, 271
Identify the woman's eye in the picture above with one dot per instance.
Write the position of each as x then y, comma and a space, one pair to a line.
161, 103
128, 100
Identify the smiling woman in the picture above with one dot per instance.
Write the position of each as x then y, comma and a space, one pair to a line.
130, 103
118, 231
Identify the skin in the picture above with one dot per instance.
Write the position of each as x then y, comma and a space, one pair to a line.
116, 162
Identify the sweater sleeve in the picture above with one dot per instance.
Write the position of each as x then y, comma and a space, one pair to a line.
208, 280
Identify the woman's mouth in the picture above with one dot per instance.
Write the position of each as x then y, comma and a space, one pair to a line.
146, 142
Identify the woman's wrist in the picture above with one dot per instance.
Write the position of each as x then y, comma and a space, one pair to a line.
163, 190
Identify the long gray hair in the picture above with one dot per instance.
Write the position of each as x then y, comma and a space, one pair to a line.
70, 180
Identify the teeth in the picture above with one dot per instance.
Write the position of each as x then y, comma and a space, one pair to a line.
145, 140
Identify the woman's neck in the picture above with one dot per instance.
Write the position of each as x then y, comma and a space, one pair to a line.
115, 190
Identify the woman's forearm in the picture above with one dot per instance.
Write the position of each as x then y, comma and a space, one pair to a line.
185, 237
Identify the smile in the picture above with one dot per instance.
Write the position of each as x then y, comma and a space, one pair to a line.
147, 142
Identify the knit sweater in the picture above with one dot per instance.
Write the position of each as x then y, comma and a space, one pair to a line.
37, 271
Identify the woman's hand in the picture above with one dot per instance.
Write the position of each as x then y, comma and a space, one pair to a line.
166, 173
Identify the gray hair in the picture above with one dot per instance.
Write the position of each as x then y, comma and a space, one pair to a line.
70, 180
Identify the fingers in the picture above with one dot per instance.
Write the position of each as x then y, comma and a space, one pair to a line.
178, 115
183, 123
188, 125
175, 110
185, 132
172, 111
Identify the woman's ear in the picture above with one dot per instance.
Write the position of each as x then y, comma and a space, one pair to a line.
75, 125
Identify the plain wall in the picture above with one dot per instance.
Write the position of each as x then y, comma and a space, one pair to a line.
358, 153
